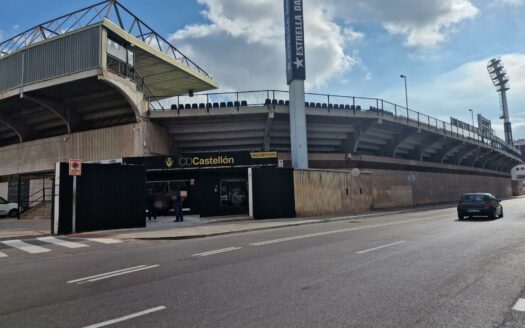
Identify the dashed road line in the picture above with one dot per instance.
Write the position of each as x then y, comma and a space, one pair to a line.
520, 305
380, 247
218, 251
331, 232
104, 240
23, 246
127, 317
112, 274
61, 242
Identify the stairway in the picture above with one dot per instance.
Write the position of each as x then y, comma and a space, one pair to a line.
41, 211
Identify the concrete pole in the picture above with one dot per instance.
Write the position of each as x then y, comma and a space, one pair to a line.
298, 137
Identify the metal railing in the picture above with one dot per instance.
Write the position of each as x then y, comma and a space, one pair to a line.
382, 108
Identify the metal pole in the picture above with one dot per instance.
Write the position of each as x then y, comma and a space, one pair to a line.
18, 197
404, 77
74, 207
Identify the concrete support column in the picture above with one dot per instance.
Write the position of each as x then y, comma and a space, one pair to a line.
298, 125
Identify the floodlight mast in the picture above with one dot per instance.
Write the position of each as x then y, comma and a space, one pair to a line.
500, 79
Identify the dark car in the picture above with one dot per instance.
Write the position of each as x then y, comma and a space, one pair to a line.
479, 204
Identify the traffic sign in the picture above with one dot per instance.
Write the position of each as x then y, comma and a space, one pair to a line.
75, 167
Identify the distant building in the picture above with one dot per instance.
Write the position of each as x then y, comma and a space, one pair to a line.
520, 143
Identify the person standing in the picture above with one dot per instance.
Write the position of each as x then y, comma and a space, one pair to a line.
179, 217
150, 205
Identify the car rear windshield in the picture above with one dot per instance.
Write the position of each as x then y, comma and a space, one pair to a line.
475, 198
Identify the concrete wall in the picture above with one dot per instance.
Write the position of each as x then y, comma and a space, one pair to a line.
138, 139
405, 188
3, 189
322, 192
518, 188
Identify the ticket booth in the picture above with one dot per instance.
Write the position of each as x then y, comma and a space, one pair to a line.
215, 184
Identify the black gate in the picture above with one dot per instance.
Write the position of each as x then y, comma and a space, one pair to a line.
108, 197
273, 193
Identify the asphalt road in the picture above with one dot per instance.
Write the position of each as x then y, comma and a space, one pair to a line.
422, 269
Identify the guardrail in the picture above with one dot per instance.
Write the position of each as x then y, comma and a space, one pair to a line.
212, 101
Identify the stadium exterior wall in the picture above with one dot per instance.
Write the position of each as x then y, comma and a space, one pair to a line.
405, 183
3, 189
329, 192
409, 188
130, 140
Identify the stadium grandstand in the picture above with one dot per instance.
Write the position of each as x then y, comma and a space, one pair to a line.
101, 85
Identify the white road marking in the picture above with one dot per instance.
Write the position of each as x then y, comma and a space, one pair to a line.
60, 242
3, 255
520, 305
125, 272
379, 247
104, 274
218, 251
104, 240
127, 317
324, 233
23, 246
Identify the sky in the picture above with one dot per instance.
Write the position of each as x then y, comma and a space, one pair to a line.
353, 47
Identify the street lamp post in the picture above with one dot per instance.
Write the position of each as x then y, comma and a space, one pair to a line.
472, 114
404, 77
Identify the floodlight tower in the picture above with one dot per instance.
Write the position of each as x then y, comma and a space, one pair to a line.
500, 79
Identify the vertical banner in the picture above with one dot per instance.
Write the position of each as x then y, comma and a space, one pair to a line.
294, 33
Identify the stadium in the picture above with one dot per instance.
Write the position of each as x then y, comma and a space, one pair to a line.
101, 85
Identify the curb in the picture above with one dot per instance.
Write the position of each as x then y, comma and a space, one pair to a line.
327, 220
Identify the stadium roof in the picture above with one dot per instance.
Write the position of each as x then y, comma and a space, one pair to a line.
113, 15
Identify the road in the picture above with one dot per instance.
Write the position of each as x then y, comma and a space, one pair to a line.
422, 269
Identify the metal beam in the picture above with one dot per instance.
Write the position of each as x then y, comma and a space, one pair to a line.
17, 126
70, 118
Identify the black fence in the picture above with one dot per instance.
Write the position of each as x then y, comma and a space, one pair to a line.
108, 197
273, 193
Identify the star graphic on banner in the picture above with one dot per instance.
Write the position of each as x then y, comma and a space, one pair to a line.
299, 63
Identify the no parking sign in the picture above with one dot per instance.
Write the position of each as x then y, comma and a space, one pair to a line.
75, 167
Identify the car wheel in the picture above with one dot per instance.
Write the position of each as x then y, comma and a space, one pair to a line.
501, 213
13, 213
492, 214
460, 217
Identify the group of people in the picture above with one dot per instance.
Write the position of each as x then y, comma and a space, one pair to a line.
177, 199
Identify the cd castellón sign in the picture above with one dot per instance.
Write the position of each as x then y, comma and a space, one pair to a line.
295, 54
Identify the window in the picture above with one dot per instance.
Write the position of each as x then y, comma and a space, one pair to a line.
3, 201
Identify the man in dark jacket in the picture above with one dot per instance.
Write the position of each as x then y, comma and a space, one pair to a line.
178, 206
150, 205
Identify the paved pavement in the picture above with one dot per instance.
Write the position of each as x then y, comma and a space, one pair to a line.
420, 269
13, 228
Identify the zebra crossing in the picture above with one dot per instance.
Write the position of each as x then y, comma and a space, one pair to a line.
45, 244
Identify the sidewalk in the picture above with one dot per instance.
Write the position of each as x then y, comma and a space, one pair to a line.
195, 227
14, 228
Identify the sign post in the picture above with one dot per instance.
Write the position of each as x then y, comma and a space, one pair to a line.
75, 169
295, 75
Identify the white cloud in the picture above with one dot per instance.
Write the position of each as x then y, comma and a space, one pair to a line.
469, 86
422, 23
242, 45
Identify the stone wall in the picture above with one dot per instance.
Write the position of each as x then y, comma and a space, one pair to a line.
405, 188
323, 192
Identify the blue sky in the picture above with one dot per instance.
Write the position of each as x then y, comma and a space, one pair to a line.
354, 47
